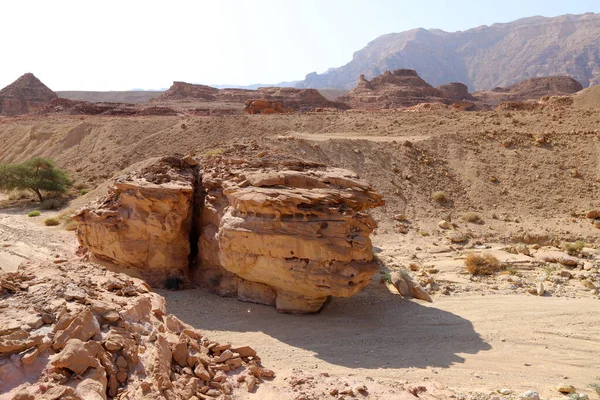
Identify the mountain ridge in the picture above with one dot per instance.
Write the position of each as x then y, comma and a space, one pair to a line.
483, 57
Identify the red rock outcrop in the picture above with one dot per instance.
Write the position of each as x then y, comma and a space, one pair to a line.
290, 98
76, 107
530, 90
271, 230
24, 95
456, 91
264, 107
76, 332
183, 90
400, 88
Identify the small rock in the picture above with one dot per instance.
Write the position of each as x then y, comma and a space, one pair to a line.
122, 376
121, 362
443, 224
566, 274
458, 237
530, 395
565, 388
540, 289
250, 383
400, 217
593, 214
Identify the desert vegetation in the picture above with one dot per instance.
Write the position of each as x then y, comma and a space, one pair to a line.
39, 175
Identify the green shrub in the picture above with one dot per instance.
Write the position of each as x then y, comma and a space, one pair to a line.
386, 277
574, 248
84, 192
52, 222
34, 213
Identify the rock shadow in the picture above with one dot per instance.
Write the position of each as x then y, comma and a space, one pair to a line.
374, 329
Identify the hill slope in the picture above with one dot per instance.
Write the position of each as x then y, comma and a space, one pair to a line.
482, 57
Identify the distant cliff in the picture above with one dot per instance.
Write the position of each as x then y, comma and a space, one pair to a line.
483, 57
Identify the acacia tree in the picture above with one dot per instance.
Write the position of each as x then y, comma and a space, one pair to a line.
38, 175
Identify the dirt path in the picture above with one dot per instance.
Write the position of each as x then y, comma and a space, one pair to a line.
24, 238
320, 137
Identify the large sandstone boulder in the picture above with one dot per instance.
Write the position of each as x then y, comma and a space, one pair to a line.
144, 222
280, 232
400, 88
24, 95
300, 235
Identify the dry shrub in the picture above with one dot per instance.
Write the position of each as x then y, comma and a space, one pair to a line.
52, 222
19, 195
50, 204
472, 217
482, 264
440, 197
71, 225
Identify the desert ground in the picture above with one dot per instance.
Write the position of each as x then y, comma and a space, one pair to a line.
516, 184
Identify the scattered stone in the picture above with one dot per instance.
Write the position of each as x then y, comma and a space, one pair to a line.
565, 388
529, 395
540, 290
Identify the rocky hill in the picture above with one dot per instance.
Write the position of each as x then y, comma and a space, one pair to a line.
401, 88
297, 99
24, 95
530, 89
484, 57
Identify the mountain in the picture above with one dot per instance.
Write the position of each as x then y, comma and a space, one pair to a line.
483, 57
24, 95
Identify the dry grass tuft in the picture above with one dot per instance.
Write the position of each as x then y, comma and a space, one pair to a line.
482, 264
71, 225
52, 222
439, 197
472, 217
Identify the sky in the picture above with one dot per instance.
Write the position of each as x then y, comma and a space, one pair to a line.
125, 44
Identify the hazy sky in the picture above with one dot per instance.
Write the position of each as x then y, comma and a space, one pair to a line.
124, 44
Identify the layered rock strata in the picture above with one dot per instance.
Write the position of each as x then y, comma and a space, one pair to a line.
273, 231
291, 237
24, 95
290, 98
400, 88
144, 222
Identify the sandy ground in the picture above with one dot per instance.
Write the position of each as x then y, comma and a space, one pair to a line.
468, 342
472, 343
